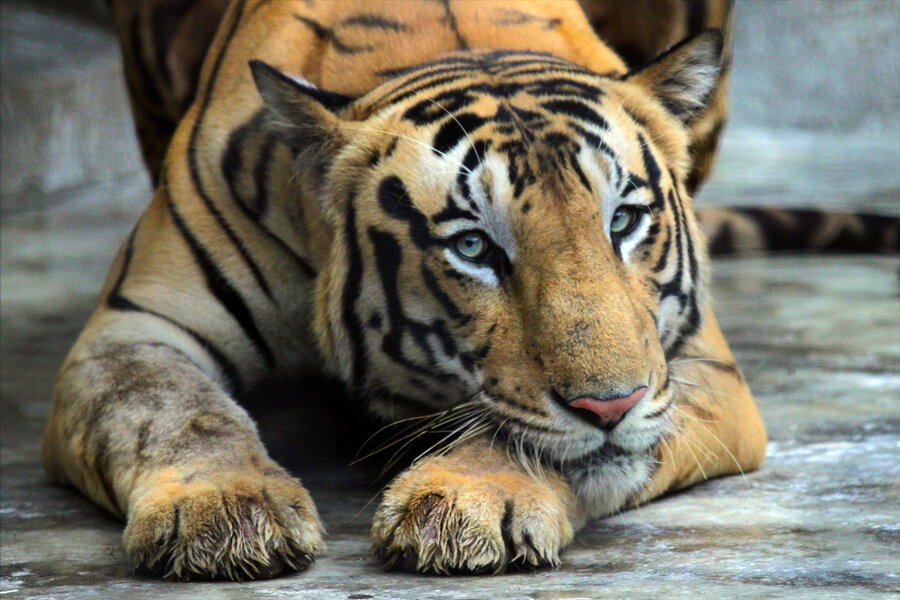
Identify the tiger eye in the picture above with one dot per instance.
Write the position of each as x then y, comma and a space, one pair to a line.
622, 219
471, 245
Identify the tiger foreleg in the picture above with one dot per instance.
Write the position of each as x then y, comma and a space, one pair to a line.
474, 510
143, 430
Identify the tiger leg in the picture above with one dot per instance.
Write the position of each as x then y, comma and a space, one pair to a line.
716, 428
474, 510
142, 427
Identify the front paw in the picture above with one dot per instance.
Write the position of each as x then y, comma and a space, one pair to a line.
231, 525
440, 520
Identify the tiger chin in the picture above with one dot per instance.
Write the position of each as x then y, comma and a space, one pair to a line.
496, 235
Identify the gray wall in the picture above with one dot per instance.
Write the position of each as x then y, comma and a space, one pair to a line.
818, 64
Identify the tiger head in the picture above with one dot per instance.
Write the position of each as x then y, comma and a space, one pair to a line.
507, 229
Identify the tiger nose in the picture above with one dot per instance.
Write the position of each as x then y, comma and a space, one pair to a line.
609, 410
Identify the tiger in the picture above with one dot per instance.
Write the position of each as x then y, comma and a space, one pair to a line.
479, 211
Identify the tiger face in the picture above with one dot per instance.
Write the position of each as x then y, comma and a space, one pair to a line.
511, 230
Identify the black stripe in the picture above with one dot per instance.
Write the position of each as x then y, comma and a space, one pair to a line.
451, 212
673, 287
126, 263
350, 295
543, 69
233, 161
576, 166
454, 131
447, 303
395, 201
234, 384
561, 86
664, 254
457, 60
440, 107
233, 167
396, 96
470, 162
518, 405
388, 259
785, 234
375, 22
116, 301
691, 322
193, 161
318, 30
222, 289
720, 365
498, 55
662, 409
598, 144
454, 26
329, 35
578, 110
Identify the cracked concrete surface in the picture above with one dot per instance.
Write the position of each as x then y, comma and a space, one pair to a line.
817, 337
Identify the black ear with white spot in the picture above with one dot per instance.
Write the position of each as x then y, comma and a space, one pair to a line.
684, 78
300, 114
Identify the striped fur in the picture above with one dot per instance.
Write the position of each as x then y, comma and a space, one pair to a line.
310, 214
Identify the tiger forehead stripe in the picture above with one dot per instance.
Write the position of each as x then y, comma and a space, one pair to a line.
535, 73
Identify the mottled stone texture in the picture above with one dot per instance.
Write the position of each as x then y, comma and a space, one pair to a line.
818, 337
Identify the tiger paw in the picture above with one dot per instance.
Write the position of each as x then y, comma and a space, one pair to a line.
435, 520
234, 525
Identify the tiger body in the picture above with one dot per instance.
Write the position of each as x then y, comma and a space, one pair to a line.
320, 225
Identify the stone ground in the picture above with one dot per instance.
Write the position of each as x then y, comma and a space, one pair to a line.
818, 338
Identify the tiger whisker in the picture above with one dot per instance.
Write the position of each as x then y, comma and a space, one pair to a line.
690, 416
433, 420
705, 388
398, 454
678, 361
716, 438
388, 426
378, 493
687, 447
473, 431
465, 427
402, 450
494, 437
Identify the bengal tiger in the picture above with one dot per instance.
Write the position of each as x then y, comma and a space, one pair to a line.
477, 211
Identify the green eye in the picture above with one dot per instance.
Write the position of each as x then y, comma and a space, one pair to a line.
624, 220
471, 245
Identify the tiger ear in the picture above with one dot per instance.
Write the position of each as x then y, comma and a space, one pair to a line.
300, 114
684, 77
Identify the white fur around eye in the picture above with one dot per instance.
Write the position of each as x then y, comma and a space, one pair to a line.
630, 242
483, 273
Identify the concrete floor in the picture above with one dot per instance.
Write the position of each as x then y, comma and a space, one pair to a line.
818, 338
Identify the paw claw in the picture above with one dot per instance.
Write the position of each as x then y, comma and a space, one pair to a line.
469, 524
227, 526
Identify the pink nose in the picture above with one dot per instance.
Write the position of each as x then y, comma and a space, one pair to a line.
610, 410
